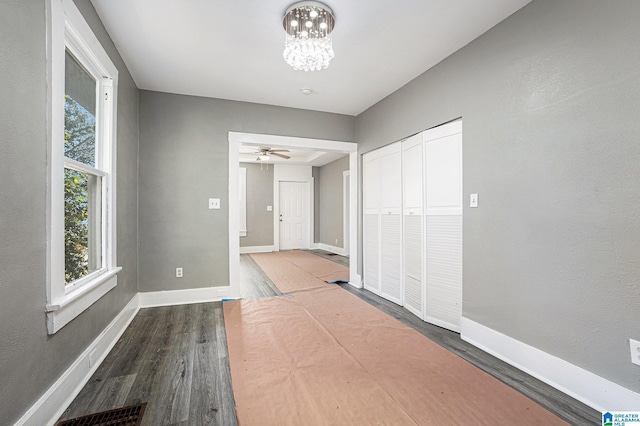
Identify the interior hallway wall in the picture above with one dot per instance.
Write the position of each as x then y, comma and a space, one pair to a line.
30, 360
550, 100
259, 196
184, 160
331, 218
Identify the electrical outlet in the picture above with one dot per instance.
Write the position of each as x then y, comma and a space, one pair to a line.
214, 203
336, 241
635, 351
178, 272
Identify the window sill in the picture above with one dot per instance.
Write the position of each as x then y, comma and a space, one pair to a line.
73, 304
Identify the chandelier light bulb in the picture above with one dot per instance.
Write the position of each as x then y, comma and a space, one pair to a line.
308, 47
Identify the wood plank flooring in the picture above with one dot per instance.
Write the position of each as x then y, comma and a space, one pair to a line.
175, 358
342, 260
253, 281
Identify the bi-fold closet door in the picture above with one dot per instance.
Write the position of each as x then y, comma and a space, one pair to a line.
443, 225
382, 171
413, 224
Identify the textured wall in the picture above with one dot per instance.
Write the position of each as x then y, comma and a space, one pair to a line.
30, 360
550, 100
259, 196
331, 217
184, 160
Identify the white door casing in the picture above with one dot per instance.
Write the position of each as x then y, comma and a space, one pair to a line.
346, 211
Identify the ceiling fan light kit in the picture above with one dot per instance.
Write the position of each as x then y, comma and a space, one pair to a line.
265, 153
308, 26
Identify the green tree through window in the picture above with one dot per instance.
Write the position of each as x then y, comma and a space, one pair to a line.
79, 144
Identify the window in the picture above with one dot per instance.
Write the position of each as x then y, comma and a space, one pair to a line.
81, 249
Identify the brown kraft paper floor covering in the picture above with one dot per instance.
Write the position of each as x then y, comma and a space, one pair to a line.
318, 267
323, 356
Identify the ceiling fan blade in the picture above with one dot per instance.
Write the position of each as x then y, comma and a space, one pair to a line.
286, 157
279, 150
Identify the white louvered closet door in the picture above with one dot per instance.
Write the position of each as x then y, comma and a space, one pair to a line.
371, 226
443, 211
391, 223
412, 232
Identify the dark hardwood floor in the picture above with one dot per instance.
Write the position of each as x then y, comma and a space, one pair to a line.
342, 260
253, 281
175, 358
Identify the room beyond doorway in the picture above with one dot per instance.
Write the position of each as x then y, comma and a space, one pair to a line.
236, 139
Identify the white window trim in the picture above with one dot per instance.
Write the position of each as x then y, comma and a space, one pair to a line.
68, 29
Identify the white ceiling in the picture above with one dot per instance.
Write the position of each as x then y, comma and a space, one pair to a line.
299, 156
232, 49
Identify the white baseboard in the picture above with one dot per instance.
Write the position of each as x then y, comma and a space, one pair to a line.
332, 249
256, 249
355, 280
183, 297
591, 389
59, 396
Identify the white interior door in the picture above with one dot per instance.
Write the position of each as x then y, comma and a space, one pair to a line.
294, 215
443, 208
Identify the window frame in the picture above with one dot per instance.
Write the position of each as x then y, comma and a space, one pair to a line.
68, 30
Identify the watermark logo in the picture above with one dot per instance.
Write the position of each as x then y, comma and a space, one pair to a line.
621, 418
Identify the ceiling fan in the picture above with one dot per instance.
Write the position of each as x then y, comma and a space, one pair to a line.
266, 152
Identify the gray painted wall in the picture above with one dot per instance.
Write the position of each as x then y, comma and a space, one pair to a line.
550, 105
331, 217
184, 160
259, 196
315, 174
30, 360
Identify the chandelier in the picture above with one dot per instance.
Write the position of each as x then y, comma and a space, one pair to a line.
308, 26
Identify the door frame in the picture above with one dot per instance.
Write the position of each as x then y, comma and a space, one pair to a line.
238, 138
346, 211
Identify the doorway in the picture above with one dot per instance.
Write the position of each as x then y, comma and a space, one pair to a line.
294, 215
238, 138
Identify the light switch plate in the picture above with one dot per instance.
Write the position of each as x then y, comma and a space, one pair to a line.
269, 208
635, 351
473, 200
214, 203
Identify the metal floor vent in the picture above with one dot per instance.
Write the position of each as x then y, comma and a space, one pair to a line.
125, 416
